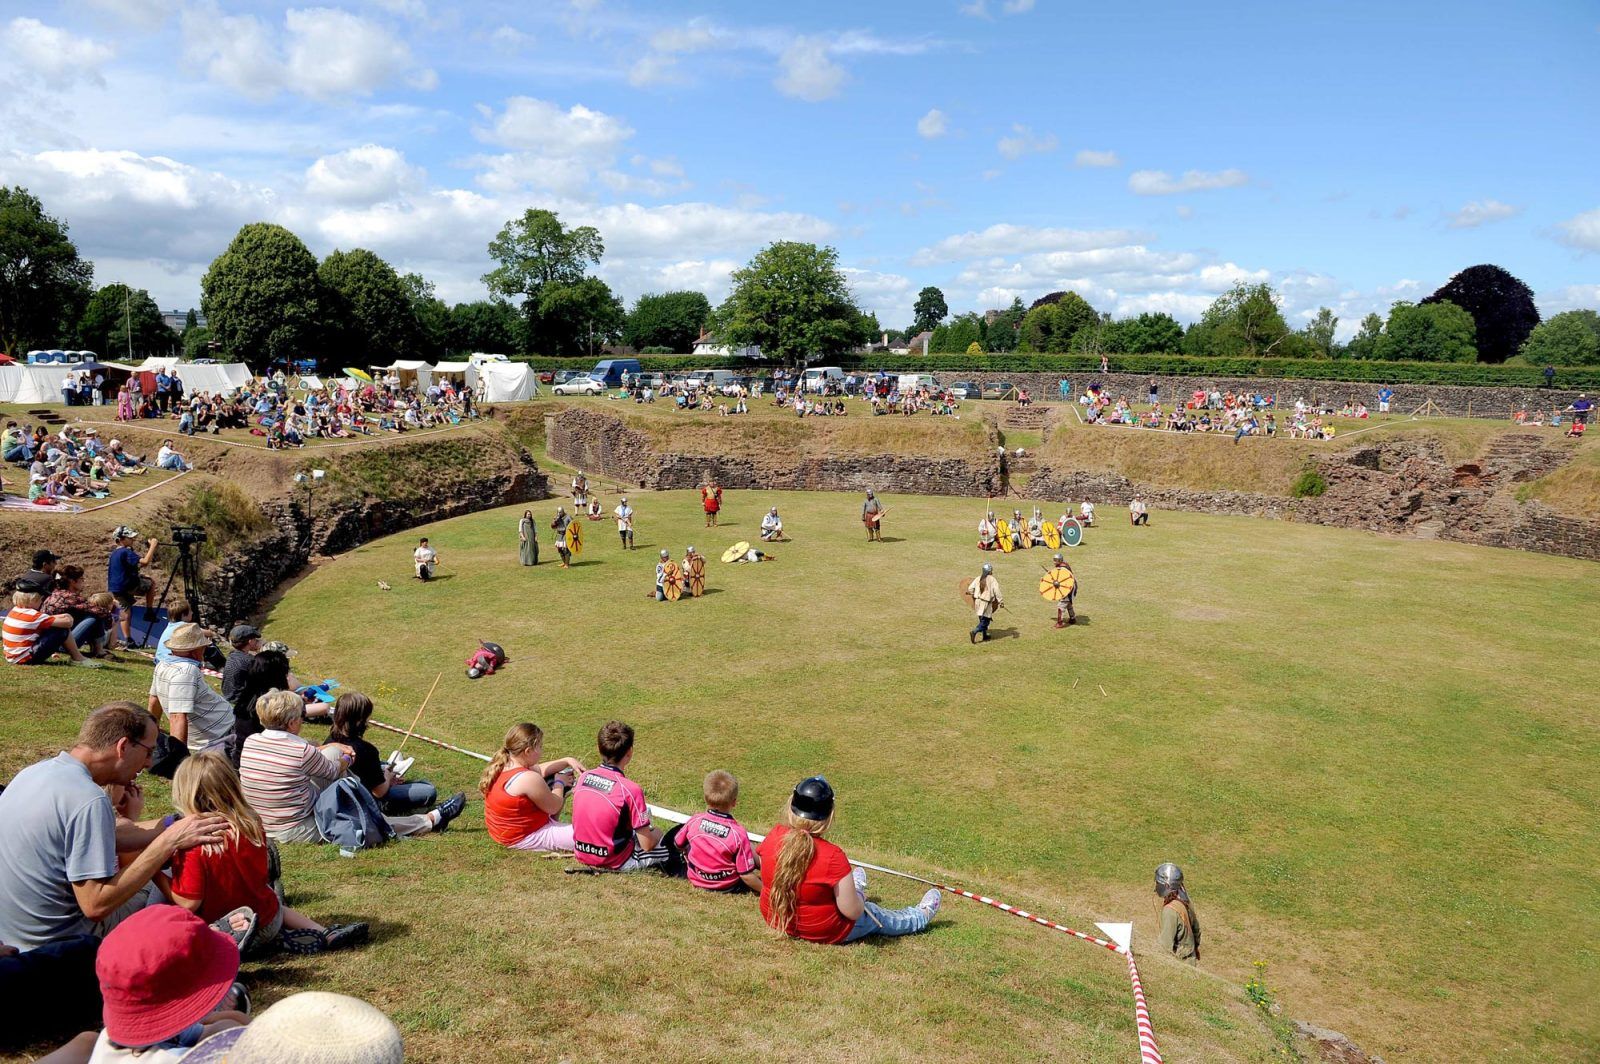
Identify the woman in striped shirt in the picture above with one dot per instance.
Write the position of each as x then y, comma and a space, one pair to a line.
283, 774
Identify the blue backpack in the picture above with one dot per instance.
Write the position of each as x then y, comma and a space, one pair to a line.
348, 816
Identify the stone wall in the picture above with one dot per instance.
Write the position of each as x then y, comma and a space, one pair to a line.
1452, 400
1395, 487
600, 443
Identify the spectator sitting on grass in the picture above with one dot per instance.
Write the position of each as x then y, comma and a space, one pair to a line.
58, 832
31, 636
716, 847
199, 716
169, 458
523, 797
68, 598
351, 713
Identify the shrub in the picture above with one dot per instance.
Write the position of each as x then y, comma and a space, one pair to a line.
1309, 484
227, 514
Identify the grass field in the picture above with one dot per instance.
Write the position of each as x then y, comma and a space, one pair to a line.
1375, 759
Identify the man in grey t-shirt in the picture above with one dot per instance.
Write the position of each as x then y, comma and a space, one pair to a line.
60, 838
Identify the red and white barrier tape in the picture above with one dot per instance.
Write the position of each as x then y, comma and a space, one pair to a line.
1149, 1052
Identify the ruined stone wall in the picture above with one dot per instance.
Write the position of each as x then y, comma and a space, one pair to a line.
599, 443
1452, 400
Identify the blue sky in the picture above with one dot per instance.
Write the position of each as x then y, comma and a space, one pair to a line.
1146, 156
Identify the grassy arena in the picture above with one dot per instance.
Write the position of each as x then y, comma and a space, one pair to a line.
1375, 759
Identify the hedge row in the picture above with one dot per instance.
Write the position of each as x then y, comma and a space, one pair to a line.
1470, 374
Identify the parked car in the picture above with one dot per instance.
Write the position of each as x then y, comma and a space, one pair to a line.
996, 390
547, 376
965, 390
609, 371
564, 375
653, 381
579, 385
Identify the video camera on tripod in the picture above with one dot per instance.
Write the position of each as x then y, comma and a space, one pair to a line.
186, 566
185, 537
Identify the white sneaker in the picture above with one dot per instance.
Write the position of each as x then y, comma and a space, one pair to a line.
859, 874
930, 903
89, 663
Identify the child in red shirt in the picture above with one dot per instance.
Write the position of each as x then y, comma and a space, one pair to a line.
214, 880
715, 846
808, 889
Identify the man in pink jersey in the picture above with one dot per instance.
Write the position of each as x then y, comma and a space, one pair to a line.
715, 846
611, 829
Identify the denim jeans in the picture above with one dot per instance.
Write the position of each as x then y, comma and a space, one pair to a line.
174, 462
16, 454
409, 794
983, 627
891, 923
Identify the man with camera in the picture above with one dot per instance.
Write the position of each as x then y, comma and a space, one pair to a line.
124, 580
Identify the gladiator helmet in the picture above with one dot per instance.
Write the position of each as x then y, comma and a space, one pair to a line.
869, 493
689, 549
991, 515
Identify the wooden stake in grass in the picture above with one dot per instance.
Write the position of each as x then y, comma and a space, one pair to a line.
418, 718
1103, 691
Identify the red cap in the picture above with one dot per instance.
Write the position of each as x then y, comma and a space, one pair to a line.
160, 970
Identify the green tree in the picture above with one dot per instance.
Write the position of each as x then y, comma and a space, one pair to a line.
430, 338
116, 311
929, 310
580, 318
958, 336
44, 285
1571, 338
1004, 331
1365, 342
1150, 334
1054, 320
669, 319
367, 310
1244, 321
486, 325
1319, 333
190, 320
1501, 306
1431, 332
793, 302
197, 343
262, 299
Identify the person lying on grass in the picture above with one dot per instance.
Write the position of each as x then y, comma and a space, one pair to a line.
716, 847
241, 870
523, 796
611, 828
808, 889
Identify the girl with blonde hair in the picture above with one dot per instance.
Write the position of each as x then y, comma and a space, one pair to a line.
241, 870
523, 797
808, 889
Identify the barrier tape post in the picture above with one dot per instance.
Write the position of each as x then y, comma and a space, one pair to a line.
1149, 1052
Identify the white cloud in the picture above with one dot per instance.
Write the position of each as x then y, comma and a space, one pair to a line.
1482, 212
1572, 297
334, 53
1161, 183
1581, 232
806, 73
53, 53
368, 174
539, 125
509, 39
888, 295
1006, 239
980, 8
147, 14
1024, 141
1016, 7
932, 125
1088, 159
1185, 211
323, 53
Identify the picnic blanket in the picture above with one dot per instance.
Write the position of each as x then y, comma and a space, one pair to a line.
17, 502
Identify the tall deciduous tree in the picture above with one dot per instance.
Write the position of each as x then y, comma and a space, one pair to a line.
430, 337
486, 325
579, 318
262, 299
668, 319
1319, 332
369, 319
1365, 342
537, 256
1501, 307
119, 320
1244, 321
793, 302
1571, 338
44, 285
929, 310
1054, 320
1433, 332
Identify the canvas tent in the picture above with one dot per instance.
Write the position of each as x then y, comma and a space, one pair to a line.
25, 383
410, 374
507, 382
213, 377
459, 373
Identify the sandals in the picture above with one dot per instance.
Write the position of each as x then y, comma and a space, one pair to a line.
305, 942
241, 938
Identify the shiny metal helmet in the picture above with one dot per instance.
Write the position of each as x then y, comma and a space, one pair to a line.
1059, 560
987, 569
665, 555
689, 549
1169, 877
991, 515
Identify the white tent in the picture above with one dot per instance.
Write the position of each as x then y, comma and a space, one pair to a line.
212, 377
23, 383
507, 382
411, 374
156, 365
463, 372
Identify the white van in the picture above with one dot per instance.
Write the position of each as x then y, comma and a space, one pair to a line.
478, 358
712, 380
910, 382
814, 379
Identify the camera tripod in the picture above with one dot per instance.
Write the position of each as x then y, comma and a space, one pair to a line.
187, 566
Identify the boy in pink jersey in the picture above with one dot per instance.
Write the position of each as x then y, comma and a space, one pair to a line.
611, 828
715, 846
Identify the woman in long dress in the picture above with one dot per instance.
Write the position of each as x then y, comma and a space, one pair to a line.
528, 533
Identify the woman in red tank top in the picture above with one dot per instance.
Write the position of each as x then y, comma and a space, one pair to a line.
521, 802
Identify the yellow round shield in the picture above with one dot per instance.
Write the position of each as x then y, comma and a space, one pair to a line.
1052, 535
1002, 533
575, 538
1057, 584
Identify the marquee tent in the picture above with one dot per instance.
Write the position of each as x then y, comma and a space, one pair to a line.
461, 372
410, 374
25, 383
507, 382
213, 377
